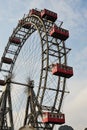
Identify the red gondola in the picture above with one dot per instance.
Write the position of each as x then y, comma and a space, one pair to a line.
21, 22
35, 12
2, 82
59, 33
6, 60
49, 15
62, 70
24, 25
53, 118
15, 40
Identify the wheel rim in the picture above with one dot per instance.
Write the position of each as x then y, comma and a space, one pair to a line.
49, 90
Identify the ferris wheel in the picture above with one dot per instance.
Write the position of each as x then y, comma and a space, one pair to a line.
33, 73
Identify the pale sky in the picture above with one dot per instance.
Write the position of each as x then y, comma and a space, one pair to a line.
74, 15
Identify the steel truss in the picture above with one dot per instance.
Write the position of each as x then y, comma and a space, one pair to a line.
51, 48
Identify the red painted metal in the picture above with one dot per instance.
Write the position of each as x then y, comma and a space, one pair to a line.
59, 33
49, 15
15, 40
55, 118
24, 24
35, 12
6, 60
2, 82
62, 70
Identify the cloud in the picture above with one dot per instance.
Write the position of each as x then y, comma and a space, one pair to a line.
74, 15
75, 105
76, 110
80, 64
